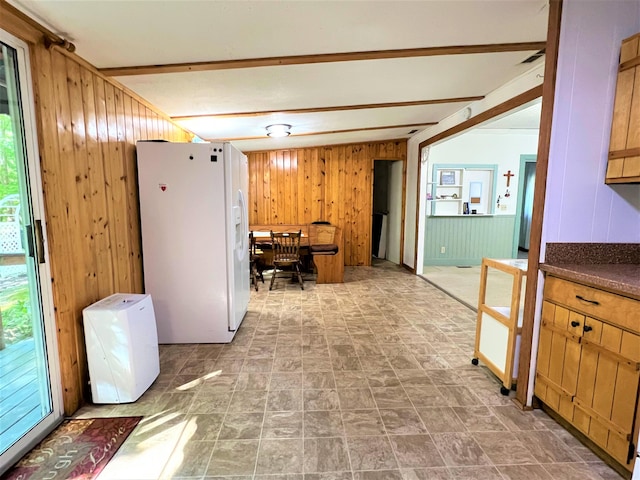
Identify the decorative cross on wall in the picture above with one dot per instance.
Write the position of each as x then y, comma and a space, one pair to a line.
508, 175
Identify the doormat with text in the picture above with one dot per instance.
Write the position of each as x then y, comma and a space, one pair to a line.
77, 449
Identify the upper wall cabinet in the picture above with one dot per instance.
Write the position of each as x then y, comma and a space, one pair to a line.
624, 148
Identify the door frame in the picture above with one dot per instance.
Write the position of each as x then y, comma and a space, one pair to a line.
524, 159
36, 434
504, 107
404, 204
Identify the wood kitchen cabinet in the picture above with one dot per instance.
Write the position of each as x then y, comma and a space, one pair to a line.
624, 147
588, 366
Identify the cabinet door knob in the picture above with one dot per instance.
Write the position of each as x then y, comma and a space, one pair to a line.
575, 323
587, 328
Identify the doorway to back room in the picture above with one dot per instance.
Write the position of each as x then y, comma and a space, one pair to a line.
387, 210
475, 190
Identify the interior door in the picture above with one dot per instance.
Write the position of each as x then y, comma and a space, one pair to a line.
527, 206
30, 399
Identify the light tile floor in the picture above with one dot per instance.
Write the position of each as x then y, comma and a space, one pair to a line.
464, 284
367, 380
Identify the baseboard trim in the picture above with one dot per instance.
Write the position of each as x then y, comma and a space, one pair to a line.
407, 267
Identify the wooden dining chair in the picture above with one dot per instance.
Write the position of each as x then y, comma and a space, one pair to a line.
286, 253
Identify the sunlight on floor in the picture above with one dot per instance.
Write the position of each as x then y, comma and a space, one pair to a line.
145, 453
198, 381
464, 284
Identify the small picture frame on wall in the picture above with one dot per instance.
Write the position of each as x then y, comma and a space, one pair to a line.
447, 177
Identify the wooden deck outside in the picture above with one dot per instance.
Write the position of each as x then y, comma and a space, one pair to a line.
20, 400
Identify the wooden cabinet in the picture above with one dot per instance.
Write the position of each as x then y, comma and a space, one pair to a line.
624, 147
588, 365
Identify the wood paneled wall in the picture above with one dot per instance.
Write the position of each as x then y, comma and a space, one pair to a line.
87, 129
332, 183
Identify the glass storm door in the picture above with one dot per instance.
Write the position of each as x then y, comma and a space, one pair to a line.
30, 403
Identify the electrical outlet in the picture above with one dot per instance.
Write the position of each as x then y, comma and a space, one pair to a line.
442, 249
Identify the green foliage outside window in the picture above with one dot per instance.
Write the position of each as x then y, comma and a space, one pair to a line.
8, 168
14, 301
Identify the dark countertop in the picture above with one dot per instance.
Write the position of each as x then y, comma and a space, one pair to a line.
622, 278
592, 253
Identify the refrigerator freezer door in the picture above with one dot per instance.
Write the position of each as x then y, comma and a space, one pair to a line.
184, 216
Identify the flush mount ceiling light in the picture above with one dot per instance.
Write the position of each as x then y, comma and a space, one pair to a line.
278, 130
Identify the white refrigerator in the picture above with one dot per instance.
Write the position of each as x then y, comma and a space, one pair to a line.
194, 224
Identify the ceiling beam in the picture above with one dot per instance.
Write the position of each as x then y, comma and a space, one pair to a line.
504, 107
330, 109
320, 58
330, 132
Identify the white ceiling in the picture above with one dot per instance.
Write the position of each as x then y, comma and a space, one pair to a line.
112, 34
525, 118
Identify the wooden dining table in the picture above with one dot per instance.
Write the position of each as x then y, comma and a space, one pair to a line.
264, 237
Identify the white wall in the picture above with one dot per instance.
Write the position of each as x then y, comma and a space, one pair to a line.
499, 147
519, 85
579, 207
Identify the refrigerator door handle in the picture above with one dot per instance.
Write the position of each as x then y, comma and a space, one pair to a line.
244, 229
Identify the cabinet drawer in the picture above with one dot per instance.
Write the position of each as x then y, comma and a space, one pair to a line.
616, 309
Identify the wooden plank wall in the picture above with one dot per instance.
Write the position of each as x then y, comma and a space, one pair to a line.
87, 129
331, 183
